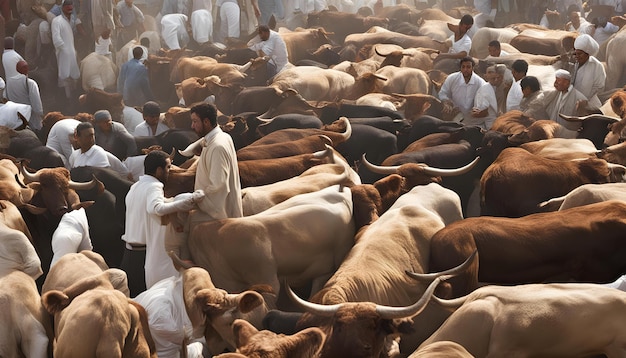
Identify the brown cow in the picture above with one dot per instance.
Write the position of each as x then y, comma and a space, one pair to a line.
285, 149
95, 99
544, 42
298, 42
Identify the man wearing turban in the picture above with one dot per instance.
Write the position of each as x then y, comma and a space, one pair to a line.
590, 76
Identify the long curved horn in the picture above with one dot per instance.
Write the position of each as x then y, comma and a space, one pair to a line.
348, 132
86, 185
313, 308
30, 177
453, 271
451, 172
325, 139
380, 54
450, 304
575, 118
378, 169
265, 120
323, 153
555, 201
388, 312
191, 148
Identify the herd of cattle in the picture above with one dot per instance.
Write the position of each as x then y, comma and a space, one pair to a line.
373, 226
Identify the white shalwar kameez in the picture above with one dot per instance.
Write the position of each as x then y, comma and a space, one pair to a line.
63, 40
71, 235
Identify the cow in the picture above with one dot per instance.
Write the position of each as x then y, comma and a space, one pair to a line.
581, 244
288, 121
398, 239
18, 252
332, 111
562, 148
208, 310
325, 215
292, 134
201, 66
298, 42
92, 319
441, 349
403, 80
587, 194
342, 24
26, 145
95, 99
254, 343
544, 42
284, 149
12, 188
420, 58
98, 71
547, 320
507, 187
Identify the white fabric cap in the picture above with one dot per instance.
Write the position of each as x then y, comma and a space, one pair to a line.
586, 43
562, 74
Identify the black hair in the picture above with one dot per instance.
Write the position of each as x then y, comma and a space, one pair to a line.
467, 19
467, 59
82, 126
520, 66
137, 52
530, 81
205, 111
154, 160
494, 43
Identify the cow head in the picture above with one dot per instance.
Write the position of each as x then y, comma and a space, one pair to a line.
12, 187
360, 329
6, 134
417, 104
56, 191
254, 343
97, 99
326, 54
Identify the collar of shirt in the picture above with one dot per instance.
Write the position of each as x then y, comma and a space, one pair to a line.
149, 179
212, 134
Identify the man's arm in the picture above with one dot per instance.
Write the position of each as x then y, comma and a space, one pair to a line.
127, 139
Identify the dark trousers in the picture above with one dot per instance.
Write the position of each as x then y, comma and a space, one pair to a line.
133, 263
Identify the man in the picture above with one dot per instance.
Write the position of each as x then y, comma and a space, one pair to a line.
229, 16
130, 22
564, 99
113, 136
63, 40
576, 22
270, 45
61, 137
152, 125
602, 29
459, 90
590, 76
461, 42
175, 31
519, 68
532, 104
495, 49
10, 58
102, 16
267, 8
88, 153
21, 89
133, 82
145, 260
485, 108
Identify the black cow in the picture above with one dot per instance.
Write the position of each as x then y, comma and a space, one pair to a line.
284, 121
169, 140
333, 111
27, 145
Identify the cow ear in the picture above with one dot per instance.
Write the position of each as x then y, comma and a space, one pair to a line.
307, 343
243, 331
55, 301
249, 300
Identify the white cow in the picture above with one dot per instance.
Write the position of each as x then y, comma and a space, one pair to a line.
98, 71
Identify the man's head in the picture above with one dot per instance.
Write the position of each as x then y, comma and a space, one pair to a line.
203, 118
585, 46
84, 135
519, 68
157, 163
22, 67
494, 48
530, 85
128, 3
137, 52
495, 74
151, 113
264, 32
466, 23
67, 7
9, 43
467, 67
102, 119
562, 80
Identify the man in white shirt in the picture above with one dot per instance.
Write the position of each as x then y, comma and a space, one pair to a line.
88, 153
564, 99
485, 108
21, 89
602, 29
229, 17
590, 76
151, 125
495, 49
10, 58
461, 42
519, 68
60, 138
459, 90
270, 45
145, 260
175, 30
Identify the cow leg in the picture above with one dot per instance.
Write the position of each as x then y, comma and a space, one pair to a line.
35, 342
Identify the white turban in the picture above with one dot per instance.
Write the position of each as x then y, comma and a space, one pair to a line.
563, 74
586, 43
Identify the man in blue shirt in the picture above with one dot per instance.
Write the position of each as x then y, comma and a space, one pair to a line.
133, 81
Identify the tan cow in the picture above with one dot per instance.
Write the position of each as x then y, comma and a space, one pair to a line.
587, 194
253, 343
541, 320
17, 252
202, 66
441, 349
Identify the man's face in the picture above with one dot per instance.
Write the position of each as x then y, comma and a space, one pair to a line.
67, 10
162, 173
264, 35
561, 84
128, 3
105, 125
199, 126
151, 120
493, 51
86, 139
581, 56
496, 79
517, 75
466, 69
463, 28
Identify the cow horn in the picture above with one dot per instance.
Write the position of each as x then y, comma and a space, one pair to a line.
451, 172
172, 154
265, 120
388, 312
450, 304
28, 176
313, 308
245, 67
382, 78
323, 153
575, 118
378, 168
86, 185
191, 148
348, 132
378, 53
453, 271
326, 139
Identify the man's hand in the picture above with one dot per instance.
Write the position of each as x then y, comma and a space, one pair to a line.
448, 106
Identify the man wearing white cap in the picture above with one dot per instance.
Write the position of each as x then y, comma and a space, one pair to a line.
564, 99
590, 76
